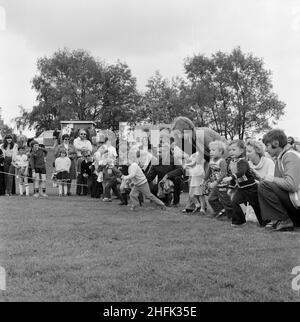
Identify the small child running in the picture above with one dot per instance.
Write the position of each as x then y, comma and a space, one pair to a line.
139, 183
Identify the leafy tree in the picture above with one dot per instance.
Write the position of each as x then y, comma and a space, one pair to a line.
237, 92
120, 96
73, 85
161, 101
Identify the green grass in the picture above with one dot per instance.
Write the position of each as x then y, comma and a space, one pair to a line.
81, 249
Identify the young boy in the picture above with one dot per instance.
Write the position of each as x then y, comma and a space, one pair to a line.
20, 162
243, 187
38, 166
215, 188
140, 184
86, 172
111, 178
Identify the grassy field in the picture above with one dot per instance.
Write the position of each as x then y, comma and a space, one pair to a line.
81, 249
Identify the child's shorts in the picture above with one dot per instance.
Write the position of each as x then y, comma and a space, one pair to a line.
63, 176
40, 170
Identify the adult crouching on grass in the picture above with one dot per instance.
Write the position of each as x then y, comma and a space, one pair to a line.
260, 165
276, 193
166, 169
193, 139
72, 155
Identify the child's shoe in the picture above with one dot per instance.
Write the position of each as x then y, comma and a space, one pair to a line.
44, 195
238, 225
36, 195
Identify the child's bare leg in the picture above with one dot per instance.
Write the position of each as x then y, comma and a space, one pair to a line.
202, 203
60, 189
208, 206
20, 180
26, 186
65, 189
43, 184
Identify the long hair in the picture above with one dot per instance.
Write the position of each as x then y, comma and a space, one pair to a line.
6, 144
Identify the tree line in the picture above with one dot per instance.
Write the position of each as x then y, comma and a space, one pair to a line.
230, 92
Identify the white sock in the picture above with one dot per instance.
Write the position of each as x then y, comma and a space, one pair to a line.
65, 190
60, 189
27, 190
21, 189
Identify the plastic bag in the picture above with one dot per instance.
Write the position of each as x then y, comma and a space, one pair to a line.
250, 215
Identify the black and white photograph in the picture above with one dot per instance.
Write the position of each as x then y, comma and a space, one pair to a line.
149, 153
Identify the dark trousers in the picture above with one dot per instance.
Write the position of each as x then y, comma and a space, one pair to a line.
178, 185
275, 203
2, 182
109, 185
84, 185
219, 199
96, 187
10, 186
242, 196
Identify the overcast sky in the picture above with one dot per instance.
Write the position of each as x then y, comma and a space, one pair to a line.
149, 35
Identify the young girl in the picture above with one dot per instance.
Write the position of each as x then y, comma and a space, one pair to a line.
20, 162
62, 168
139, 183
196, 178
215, 188
243, 183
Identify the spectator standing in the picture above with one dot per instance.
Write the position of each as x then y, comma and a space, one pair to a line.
10, 150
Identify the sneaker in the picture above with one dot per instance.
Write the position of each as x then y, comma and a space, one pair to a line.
36, 195
272, 224
238, 225
44, 195
285, 225
221, 214
106, 200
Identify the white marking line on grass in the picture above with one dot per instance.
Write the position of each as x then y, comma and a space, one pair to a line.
2, 279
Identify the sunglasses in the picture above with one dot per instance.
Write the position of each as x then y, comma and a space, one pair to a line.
82, 134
